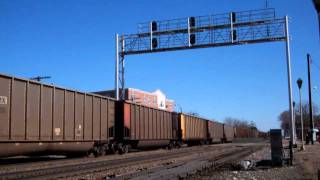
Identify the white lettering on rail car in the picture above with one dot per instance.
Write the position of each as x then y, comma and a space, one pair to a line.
78, 130
57, 131
3, 100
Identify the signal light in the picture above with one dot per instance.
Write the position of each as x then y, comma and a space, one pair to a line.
154, 26
154, 43
192, 39
234, 35
192, 22
233, 16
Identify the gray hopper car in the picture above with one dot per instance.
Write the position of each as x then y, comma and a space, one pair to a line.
37, 118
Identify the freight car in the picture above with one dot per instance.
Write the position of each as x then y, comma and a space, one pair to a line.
228, 133
242, 132
215, 132
38, 118
141, 126
193, 129
196, 130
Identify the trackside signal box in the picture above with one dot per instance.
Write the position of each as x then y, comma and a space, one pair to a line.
276, 147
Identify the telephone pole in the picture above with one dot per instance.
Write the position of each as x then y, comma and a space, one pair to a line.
299, 82
310, 100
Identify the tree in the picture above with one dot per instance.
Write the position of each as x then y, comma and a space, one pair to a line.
284, 119
253, 125
240, 123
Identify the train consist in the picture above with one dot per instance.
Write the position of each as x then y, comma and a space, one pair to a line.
39, 118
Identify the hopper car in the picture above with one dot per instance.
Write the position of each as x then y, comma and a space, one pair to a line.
38, 118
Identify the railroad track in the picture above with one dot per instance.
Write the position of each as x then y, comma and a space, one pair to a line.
28, 165
91, 167
182, 171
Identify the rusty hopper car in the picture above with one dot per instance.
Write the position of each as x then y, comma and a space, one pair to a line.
241, 133
141, 126
246, 133
37, 118
215, 132
193, 129
228, 133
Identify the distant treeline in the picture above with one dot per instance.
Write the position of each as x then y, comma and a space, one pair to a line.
284, 119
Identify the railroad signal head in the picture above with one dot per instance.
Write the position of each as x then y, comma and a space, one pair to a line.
192, 39
154, 43
234, 35
154, 26
233, 17
192, 22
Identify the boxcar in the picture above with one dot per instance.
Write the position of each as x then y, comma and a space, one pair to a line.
39, 118
140, 126
228, 133
215, 132
193, 129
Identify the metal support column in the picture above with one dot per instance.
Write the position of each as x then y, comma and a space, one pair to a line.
151, 36
117, 69
231, 27
189, 32
123, 95
292, 140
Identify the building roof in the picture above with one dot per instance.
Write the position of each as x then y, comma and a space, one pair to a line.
156, 92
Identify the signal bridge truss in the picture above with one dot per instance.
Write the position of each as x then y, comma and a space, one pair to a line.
235, 28
205, 31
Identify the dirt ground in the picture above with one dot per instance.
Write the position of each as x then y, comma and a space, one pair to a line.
308, 161
306, 166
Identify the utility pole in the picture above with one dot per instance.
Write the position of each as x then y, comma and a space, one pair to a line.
310, 100
317, 7
299, 82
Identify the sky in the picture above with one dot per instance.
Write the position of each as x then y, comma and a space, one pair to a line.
74, 42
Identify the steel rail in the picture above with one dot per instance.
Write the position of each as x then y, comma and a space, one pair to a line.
76, 169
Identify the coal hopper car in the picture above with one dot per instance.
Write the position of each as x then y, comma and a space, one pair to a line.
228, 133
141, 126
215, 132
39, 118
193, 130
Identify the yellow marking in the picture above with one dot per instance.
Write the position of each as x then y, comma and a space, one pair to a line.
183, 126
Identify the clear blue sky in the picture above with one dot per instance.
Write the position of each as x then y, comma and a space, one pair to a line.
73, 41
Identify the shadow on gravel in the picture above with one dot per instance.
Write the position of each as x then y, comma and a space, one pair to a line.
264, 163
27, 159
